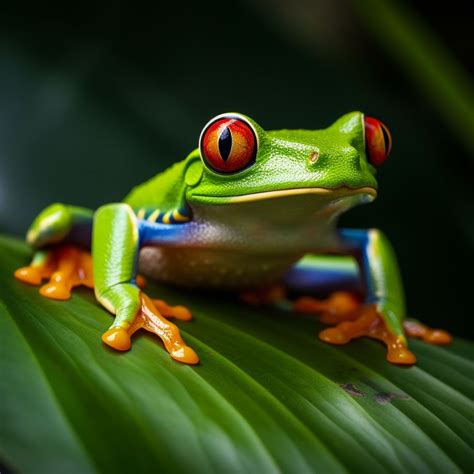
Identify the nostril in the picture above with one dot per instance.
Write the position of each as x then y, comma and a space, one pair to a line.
313, 157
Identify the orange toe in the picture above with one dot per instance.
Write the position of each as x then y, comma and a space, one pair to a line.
117, 338
31, 275
401, 355
334, 336
66, 266
431, 336
182, 313
439, 337
178, 312
55, 291
185, 354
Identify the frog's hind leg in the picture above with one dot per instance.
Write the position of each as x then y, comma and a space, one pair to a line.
61, 223
317, 276
334, 309
66, 266
61, 234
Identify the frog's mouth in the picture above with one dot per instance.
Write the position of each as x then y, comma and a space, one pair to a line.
342, 191
283, 207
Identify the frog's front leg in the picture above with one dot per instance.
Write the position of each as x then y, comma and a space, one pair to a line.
382, 314
117, 237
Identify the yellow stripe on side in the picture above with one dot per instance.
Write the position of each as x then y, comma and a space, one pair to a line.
167, 217
179, 217
153, 216
141, 213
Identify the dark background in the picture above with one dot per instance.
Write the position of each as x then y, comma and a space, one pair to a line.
96, 98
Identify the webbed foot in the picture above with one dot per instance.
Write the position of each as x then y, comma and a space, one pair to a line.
152, 319
66, 266
366, 321
69, 266
352, 320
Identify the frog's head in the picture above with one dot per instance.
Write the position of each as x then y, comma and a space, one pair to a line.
241, 162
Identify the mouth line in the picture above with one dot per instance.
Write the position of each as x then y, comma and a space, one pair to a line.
341, 191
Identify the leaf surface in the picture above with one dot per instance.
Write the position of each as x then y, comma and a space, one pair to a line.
268, 396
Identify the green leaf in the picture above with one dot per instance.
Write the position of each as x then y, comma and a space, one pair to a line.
266, 397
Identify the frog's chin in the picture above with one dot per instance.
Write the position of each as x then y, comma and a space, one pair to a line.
297, 216
343, 191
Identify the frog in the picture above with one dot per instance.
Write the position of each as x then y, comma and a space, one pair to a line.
248, 211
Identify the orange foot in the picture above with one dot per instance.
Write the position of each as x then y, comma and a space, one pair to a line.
353, 320
66, 266
365, 321
152, 319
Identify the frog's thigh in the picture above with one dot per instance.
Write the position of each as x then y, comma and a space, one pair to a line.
60, 233
323, 274
335, 279
61, 223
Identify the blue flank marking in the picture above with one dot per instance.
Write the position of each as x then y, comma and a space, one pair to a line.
159, 233
311, 275
323, 277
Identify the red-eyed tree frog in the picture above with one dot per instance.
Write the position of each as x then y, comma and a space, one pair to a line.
250, 211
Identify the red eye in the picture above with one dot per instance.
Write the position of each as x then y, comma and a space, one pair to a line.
378, 141
228, 144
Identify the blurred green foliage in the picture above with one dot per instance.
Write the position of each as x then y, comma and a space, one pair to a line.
97, 98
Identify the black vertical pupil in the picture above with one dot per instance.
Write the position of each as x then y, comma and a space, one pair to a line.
225, 143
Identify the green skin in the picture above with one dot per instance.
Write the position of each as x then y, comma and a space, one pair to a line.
245, 227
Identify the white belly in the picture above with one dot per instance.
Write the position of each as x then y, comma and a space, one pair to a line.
198, 267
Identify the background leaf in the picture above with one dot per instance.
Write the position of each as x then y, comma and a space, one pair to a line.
266, 397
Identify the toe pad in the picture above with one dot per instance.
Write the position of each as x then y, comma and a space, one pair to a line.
117, 338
